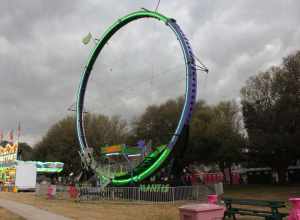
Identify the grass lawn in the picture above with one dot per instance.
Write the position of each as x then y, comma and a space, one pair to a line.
130, 211
263, 192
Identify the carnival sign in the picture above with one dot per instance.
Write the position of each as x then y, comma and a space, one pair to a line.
8, 153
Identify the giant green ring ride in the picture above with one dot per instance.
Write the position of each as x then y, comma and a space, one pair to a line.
156, 159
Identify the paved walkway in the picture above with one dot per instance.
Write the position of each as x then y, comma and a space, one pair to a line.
29, 212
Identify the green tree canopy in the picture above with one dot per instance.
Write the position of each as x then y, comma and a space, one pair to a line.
216, 131
60, 143
216, 134
25, 151
271, 107
158, 122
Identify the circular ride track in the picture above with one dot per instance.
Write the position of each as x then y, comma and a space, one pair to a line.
155, 159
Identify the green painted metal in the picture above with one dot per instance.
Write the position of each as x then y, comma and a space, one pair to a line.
49, 170
100, 45
119, 181
146, 173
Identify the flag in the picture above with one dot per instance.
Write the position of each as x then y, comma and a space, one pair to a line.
1, 136
87, 38
11, 136
19, 130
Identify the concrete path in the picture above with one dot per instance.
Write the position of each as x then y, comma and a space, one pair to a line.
29, 212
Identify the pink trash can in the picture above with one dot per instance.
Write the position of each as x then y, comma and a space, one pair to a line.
295, 211
212, 199
201, 212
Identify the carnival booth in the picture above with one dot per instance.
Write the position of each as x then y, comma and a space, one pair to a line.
8, 159
9, 163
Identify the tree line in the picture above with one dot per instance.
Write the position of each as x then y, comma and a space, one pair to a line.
262, 130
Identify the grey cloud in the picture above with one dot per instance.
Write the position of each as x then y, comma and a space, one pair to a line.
41, 56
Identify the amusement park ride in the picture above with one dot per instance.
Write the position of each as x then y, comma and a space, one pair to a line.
167, 155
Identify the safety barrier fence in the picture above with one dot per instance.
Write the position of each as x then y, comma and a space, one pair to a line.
152, 193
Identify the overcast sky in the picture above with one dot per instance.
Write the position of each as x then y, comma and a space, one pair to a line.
41, 54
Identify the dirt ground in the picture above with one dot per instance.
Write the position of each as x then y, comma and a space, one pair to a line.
6, 215
98, 210
131, 211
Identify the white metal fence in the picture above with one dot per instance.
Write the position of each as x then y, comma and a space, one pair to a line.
151, 193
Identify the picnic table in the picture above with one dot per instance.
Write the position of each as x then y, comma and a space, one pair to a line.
235, 207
